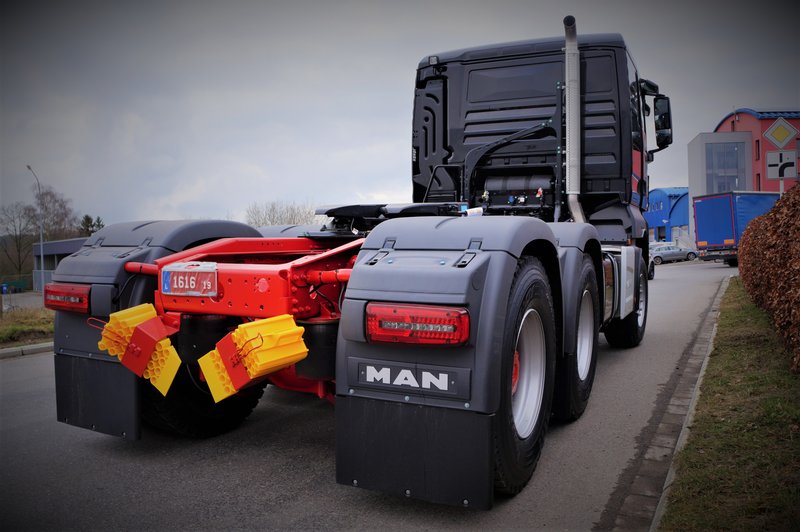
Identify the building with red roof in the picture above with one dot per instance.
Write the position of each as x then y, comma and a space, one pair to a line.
749, 150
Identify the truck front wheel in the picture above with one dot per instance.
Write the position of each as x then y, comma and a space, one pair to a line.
528, 374
629, 331
575, 372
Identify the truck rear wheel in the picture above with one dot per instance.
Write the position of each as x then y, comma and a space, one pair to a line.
527, 377
575, 372
188, 409
629, 331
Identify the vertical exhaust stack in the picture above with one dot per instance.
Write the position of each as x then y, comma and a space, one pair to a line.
572, 67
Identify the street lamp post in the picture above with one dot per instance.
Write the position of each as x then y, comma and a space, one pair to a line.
41, 230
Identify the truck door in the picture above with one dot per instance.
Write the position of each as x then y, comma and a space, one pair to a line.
639, 186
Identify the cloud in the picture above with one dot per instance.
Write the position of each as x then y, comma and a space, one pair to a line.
195, 109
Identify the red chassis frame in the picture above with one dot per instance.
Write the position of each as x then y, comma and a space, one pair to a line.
264, 277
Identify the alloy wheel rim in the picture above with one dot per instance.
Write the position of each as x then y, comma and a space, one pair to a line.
526, 399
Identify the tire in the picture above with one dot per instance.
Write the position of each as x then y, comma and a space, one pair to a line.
575, 371
629, 331
691, 256
733, 263
527, 378
188, 409
657, 260
651, 271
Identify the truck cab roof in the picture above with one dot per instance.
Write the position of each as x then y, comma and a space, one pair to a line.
530, 46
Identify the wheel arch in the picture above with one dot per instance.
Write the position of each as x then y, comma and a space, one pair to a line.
84, 377
574, 241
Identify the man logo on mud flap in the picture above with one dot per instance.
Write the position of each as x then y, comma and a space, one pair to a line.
425, 380
402, 377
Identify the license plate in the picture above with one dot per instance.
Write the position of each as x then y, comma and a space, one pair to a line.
190, 279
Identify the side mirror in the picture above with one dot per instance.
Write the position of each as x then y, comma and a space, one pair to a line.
663, 121
648, 88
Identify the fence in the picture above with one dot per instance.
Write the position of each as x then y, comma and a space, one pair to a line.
10, 284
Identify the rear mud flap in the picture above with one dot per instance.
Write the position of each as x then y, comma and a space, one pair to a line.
438, 455
98, 394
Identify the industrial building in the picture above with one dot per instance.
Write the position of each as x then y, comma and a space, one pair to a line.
668, 216
749, 150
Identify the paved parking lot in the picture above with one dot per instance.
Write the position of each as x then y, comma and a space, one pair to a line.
21, 300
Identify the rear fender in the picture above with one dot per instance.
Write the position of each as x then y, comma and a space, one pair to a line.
93, 390
422, 260
432, 443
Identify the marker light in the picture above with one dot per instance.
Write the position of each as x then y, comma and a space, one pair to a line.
71, 297
417, 324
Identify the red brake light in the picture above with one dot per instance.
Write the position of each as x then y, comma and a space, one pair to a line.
71, 297
417, 324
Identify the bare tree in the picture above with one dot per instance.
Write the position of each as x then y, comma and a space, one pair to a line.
60, 220
279, 213
17, 234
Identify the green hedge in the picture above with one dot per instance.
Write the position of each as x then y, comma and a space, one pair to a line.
769, 265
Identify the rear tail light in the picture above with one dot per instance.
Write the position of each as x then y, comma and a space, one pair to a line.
71, 297
417, 324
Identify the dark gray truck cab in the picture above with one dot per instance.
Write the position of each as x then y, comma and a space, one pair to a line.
468, 99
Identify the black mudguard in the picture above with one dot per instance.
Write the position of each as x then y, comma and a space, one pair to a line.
574, 240
435, 454
429, 444
93, 390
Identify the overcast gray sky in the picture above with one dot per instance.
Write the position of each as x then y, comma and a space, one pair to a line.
179, 109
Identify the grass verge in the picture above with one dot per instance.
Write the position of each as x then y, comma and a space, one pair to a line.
740, 467
25, 326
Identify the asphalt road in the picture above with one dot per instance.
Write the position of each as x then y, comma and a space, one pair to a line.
277, 471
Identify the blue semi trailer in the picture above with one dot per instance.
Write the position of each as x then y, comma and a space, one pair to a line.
720, 221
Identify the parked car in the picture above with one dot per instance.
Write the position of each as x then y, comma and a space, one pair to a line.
668, 253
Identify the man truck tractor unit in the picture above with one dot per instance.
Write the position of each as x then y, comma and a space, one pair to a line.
448, 331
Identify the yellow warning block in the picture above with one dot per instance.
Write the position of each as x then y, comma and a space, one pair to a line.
270, 345
162, 366
216, 376
263, 346
117, 332
163, 363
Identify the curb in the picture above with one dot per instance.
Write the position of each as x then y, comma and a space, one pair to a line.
686, 429
639, 499
18, 351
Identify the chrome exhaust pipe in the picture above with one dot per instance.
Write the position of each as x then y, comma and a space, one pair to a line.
572, 67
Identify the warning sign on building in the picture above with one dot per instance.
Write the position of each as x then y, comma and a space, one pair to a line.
780, 133
781, 164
